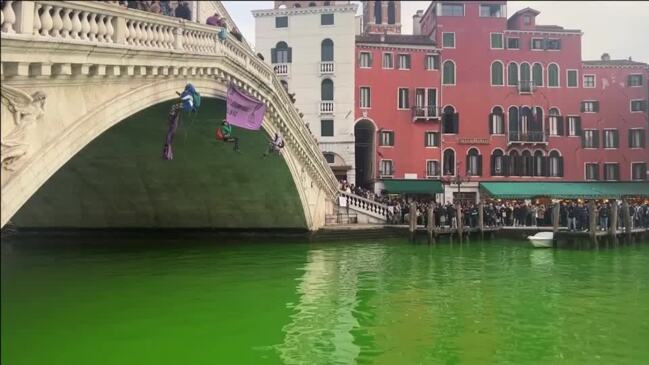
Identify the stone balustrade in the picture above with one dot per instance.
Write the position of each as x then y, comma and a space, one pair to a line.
105, 25
366, 206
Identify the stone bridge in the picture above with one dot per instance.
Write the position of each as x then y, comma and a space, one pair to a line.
86, 87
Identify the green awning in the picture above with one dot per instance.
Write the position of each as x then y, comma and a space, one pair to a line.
413, 186
568, 190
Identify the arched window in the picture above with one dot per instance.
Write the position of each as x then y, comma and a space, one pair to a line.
537, 74
536, 125
327, 50
553, 75
448, 70
497, 121
327, 90
450, 120
281, 53
528, 163
555, 122
497, 74
515, 164
497, 163
539, 164
556, 164
311, 4
378, 15
474, 162
449, 162
392, 16
512, 74
514, 128
297, 5
525, 72
327, 3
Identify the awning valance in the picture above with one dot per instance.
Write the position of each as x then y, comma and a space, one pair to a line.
408, 186
565, 190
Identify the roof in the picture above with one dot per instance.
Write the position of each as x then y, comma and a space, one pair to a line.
563, 190
407, 39
555, 28
408, 186
526, 10
613, 63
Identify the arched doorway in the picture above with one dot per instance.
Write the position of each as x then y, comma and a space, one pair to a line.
364, 132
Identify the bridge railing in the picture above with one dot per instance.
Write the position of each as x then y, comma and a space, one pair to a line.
366, 206
107, 25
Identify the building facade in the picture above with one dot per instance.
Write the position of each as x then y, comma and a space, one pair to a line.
513, 100
311, 48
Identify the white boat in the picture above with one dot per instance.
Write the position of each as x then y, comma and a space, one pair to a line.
542, 239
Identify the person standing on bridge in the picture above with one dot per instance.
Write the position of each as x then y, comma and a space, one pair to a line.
275, 145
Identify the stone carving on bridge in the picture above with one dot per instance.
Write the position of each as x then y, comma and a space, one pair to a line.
25, 111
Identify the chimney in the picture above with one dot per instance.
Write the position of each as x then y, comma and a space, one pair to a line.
630, 58
416, 19
606, 57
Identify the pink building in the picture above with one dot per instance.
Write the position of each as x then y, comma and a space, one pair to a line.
513, 100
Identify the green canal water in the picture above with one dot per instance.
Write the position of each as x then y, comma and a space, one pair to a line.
389, 302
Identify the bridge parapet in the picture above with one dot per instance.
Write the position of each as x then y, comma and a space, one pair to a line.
72, 43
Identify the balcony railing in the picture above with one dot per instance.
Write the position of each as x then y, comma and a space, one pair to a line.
527, 137
525, 87
281, 69
426, 112
327, 68
326, 107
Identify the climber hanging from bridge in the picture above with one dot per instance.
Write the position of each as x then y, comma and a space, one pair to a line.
190, 101
275, 145
224, 133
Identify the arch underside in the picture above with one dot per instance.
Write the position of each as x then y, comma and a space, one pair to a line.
119, 180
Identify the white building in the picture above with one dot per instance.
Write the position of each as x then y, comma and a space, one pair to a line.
311, 46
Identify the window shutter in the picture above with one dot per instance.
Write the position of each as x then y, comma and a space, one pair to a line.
545, 43
545, 171
370, 65
643, 105
596, 139
456, 123
583, 141
493, 165
560, 126
479, 165
642, 138
596, 106
467, 164
506, 165
531, 43
630, 138
583, 107
558, 43
578, 126
616, 139
628, 80
596, 172
273, 55
561, 166
491, 123
290, 54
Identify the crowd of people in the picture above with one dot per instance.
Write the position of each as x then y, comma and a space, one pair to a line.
574, 215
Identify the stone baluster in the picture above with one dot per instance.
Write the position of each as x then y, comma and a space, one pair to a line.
138, 34
101, 28
110, 30
9, 17
131, 34
46, 21
37, 19
150, 36
67, 23
85, 26
57, 22
156, 35
171, 37
94, 28
76, 25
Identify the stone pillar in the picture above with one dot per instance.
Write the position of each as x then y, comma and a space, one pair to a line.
178, 34
24, 17
120, 30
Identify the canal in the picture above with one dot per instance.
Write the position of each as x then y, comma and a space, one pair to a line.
190, 302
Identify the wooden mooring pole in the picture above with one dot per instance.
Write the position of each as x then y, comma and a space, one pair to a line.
430, 226
458, 220
556, 210
413, 220
592, 221
613, 214
481, 219
627, 219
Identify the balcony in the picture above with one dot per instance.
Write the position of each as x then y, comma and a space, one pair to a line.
533, 137
326, 107
426, 112
327, 68
525, 87
282, 69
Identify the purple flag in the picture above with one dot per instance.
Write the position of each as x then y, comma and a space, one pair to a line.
243, 110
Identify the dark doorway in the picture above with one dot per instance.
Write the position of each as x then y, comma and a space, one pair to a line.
364, 133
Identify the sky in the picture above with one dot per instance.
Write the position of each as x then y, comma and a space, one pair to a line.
619, 28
